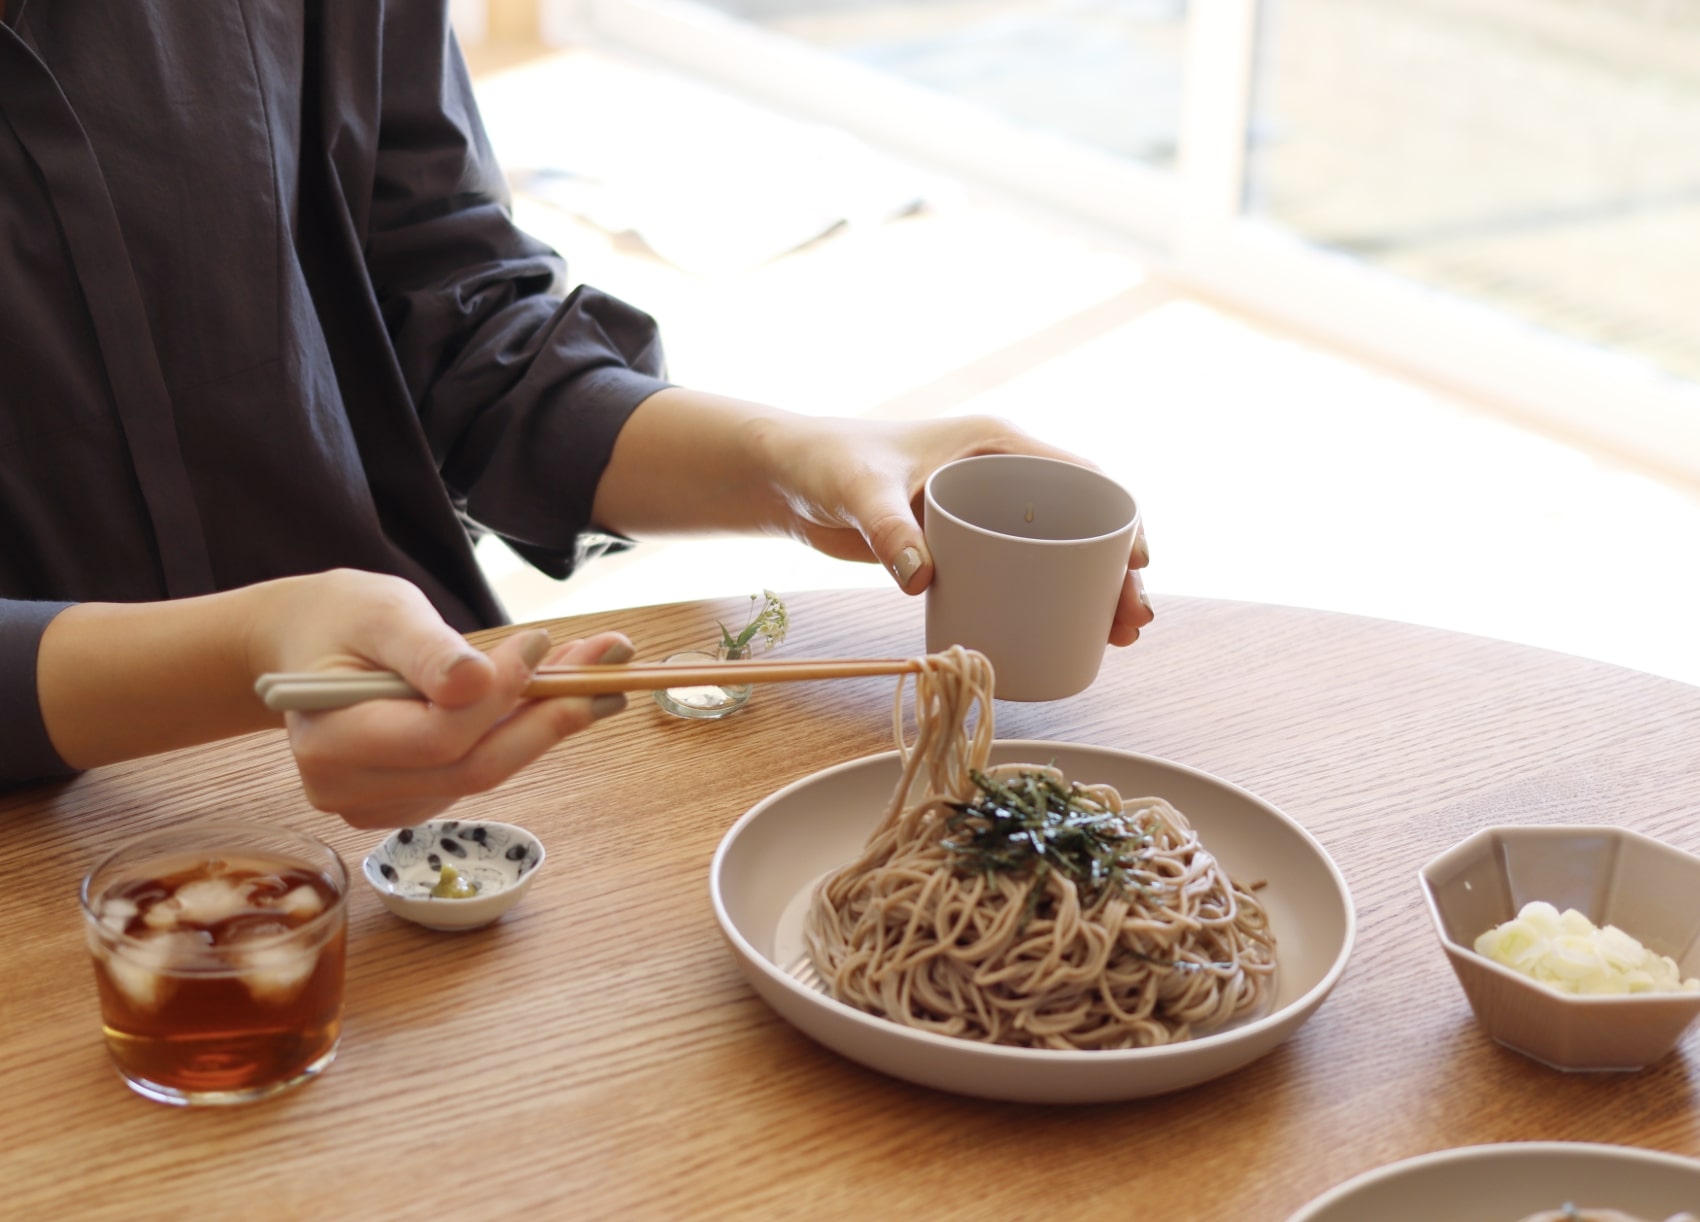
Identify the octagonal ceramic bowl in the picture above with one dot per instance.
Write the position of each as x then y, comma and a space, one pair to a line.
1612, 876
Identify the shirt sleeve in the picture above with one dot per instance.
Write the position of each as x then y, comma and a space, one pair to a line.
521, 390
26, 753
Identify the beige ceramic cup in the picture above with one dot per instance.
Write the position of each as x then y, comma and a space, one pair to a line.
1029, 557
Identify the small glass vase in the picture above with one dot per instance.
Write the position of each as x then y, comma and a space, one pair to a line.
707, 702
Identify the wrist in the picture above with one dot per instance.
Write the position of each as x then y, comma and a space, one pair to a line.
119, 680
691, 463
262, 616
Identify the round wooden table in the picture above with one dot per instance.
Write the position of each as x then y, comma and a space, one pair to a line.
596, 1054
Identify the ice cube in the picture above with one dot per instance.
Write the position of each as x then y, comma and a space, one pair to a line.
207, 901
137, 970
276, 973
115, 912
162, 915
253, 927
263, 888
303, 903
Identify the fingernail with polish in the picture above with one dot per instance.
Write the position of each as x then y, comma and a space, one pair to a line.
1144, 598
616, 653
535, 645
1141, 552
908, 561
459, 660
607, 705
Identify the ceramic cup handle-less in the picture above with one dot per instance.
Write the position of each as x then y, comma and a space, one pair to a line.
1029, 557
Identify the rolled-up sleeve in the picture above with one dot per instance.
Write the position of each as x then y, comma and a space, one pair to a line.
26, 753
521, 391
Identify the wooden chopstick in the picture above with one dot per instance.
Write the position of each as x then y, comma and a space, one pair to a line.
318, 690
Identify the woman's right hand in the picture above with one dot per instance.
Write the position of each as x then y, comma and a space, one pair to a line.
393, 763
121, 680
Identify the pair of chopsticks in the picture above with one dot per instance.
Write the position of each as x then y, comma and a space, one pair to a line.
319, 690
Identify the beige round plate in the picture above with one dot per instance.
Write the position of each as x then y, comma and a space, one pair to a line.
1508, 1182
766, 865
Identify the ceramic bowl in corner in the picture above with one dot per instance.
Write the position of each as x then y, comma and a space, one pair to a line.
499, 859
1612, 876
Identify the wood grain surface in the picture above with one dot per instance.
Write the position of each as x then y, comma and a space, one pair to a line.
597, 1055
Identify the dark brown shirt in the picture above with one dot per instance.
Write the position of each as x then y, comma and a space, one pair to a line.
263, 311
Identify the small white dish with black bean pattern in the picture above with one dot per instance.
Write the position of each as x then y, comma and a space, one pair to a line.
497, 861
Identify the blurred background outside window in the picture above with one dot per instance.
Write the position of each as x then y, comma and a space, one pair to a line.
1500, 195
1384, 306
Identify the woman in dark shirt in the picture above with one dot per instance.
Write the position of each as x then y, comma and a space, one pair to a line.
270, 342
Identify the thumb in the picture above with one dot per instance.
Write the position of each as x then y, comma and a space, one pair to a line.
444, 666
897, 543
891, 524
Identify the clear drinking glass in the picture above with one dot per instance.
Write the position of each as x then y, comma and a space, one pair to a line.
219, 953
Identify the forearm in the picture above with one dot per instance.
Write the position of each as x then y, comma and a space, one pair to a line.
687, 462
121, 680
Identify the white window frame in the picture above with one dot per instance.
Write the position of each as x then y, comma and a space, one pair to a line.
1189, 223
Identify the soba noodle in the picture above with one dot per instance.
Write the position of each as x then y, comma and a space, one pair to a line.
1009, 905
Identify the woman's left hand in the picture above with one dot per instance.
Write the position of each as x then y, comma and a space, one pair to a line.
855, 488
693, 463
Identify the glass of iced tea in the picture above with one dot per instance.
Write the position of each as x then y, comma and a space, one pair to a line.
218, 951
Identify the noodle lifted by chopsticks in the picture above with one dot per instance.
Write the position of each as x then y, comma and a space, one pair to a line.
1007, 905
